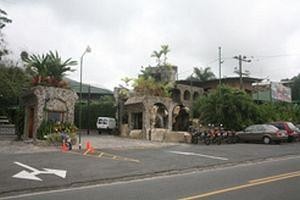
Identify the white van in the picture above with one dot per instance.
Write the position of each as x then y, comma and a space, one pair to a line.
105, 124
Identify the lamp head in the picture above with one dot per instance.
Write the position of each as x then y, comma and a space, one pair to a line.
88, 49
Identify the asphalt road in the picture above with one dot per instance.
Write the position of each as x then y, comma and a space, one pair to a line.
111, 165
272, 180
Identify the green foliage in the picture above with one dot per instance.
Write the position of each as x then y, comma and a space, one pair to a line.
45, 128
236, 110
13, 81
163, 51
201, 74
4, 20
47, 69
296, 88
50, 131
231, 107
149, 86
147, 83
19, 119
280, 111
104, 108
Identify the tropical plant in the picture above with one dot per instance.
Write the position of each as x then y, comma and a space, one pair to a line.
13, 81
157, 55
47, 69
56, 67
51, 131
296, 88
165, 50
231, 107
201, 74
4, 20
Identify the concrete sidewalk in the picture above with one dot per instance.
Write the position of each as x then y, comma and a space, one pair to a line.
107, 141
103, 141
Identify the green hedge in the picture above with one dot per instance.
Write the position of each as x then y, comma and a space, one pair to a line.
96, 109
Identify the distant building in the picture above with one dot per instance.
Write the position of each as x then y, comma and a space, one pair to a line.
233, 82
95, 92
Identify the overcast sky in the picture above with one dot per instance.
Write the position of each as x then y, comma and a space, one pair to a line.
124, 33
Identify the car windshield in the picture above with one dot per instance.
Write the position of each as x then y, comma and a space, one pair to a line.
270, 128
292, 126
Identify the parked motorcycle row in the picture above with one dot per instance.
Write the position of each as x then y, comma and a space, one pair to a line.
213, 135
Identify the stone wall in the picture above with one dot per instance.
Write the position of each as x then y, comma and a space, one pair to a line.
48, 99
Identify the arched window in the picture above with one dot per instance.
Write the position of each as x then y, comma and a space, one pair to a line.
186, 95
196, 95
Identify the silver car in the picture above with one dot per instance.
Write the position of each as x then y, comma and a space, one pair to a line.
262, 132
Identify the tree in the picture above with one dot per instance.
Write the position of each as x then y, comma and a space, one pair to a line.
57, 68
157, 55
47, 69
231, 107
13, 81
201, 74
296, 88
4, 20
165, 50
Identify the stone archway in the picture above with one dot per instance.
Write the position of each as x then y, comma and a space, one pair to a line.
180, 119
159, 116
186, 95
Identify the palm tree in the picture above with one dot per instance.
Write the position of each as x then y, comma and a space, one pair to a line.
36, 66
57, 68
201, 74
165, 50
157, 55
47, 69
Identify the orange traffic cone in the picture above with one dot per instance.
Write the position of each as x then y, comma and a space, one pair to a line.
92, 150
88, 145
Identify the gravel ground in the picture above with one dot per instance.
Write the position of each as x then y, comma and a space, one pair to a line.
104, 141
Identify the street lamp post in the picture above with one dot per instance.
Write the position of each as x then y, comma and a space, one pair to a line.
87, 50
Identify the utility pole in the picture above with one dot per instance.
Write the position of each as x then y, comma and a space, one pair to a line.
241, 59
220, 65
88, 110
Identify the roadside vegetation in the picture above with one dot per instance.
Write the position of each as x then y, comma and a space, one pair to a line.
235, 109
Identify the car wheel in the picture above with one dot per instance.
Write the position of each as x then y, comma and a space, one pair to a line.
290, 139
99, 132
266, 140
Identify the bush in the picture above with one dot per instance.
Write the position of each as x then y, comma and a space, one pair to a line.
51, 132
231, 107
236, 110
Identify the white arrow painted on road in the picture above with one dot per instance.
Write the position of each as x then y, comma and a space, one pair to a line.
33, 175
198, 154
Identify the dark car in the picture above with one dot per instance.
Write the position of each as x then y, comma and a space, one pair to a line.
292, 131
265, 133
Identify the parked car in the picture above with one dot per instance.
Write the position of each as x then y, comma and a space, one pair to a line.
105, 124
265, 133
292, 131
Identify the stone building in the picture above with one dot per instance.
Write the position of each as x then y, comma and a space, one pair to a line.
158, 118
47, 103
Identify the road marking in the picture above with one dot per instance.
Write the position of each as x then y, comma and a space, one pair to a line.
33, 175
198, 154
121, 182
273, 177
249, 184
101, 154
